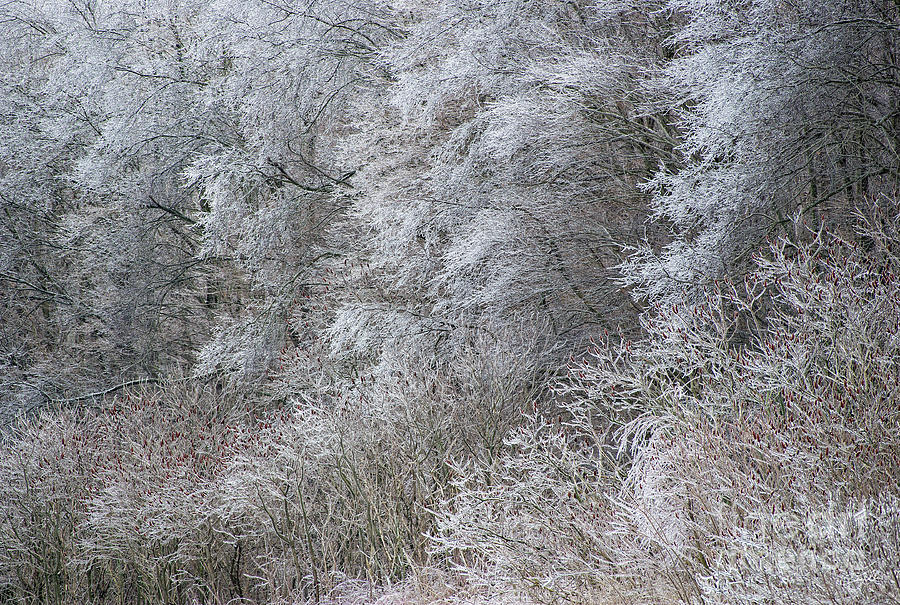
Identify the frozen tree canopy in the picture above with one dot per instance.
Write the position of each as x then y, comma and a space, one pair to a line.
449, 301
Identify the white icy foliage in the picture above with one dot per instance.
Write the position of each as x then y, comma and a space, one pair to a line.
499, 171
110, 127
273, 187
295, 282
785, 108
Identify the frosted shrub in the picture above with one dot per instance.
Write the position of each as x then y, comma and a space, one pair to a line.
746, 452
114, 504
343, 486
172, 493
44, 490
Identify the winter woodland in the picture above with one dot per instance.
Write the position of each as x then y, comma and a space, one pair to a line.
449, 301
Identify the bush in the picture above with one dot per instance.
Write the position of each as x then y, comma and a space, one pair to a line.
116, 503
172, 494
746, 452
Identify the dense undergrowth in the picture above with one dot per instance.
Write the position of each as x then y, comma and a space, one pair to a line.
746, 451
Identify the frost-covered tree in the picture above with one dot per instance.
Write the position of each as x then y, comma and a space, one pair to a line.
787, 108
27, 206
272, 191
106, 97
132, 235
42, 135
499, 173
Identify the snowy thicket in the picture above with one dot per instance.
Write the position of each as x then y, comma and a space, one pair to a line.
746, 452
501, 301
